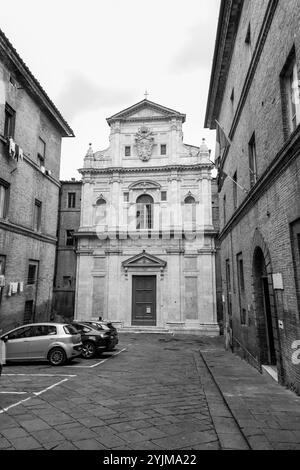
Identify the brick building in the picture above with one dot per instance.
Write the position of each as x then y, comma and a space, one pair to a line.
254, 95
31, 130
146, 242
66, 258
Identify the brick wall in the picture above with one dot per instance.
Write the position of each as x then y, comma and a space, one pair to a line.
279, 204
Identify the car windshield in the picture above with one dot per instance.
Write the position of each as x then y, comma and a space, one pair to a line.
70, 330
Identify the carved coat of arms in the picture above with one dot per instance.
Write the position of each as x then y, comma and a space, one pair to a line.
145, 142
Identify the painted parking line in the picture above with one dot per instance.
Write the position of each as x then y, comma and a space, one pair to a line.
34, 394
38, 375
14, 393
101, 362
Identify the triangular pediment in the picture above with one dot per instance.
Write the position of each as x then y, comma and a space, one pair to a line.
146, 110
144, 260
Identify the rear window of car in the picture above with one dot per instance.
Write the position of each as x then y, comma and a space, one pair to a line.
70, 330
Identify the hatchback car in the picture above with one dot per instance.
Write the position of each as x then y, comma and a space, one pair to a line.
55, 342
94, 340
104, 325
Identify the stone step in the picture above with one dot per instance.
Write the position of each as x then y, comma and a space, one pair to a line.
144, 329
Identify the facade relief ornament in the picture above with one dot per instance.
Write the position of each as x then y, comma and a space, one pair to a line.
144, 142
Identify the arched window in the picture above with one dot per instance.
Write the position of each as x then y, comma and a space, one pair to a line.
144, 212
100, 212
190, 212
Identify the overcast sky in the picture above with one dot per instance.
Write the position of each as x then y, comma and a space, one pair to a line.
97, 57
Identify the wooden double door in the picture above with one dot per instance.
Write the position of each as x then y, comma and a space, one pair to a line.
144, 300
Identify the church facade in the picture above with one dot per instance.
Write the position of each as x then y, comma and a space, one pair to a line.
146, 242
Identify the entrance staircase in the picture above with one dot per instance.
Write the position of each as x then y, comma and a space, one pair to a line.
144, 329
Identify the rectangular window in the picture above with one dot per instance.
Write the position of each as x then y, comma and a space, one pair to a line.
241, 286
291, 97
2, 274
127, 151
28, 312
163, 196
234, 187
163, 149
37, 216
295, 236
41, 152
4, 198
32, 272
224, 211
126, 197
252, 161
70, 240
10, 119
229, 292
71, 200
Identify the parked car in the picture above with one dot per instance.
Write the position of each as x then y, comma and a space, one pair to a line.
105, 325
55, 342
94, 339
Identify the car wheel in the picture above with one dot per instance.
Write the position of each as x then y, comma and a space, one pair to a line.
88, 350
57, 357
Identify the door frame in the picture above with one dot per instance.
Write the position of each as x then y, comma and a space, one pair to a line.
154, 276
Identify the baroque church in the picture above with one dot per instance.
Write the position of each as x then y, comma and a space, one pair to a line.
146, 242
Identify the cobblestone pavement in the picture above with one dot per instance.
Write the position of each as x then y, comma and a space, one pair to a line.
156, 392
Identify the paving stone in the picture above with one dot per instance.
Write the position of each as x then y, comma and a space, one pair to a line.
111, 441
131, 436
4, 443
34, 425
47, 435
14, 433
233, 441
77, 434
88, 444
25, 443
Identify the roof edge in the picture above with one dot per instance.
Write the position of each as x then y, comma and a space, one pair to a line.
228, 24
33, 85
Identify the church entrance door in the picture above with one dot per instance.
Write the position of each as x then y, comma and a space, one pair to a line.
144, 300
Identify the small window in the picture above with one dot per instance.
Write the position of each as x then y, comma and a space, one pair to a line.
41, 152
241, 286
127, 151
163, 149
252, 161
248, 36
32, 272
4, 199
234, 187
37, 216
163, 196
70, 240
126, 197
10, 119
232, 96
71, 200
224, 210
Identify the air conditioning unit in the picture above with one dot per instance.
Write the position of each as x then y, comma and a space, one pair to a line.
43, 169
48, 172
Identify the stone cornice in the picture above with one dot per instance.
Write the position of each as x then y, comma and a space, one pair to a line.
6, 225
229, 17
212, 111
155, 169
288, 153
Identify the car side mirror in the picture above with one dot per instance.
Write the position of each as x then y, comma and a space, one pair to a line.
5, 339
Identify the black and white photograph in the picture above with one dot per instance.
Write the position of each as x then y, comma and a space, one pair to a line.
149, 229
